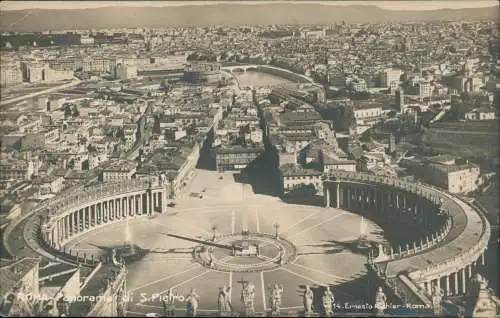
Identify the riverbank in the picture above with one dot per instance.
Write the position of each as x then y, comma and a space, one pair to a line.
8, 102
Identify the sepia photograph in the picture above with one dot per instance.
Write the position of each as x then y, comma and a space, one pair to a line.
249, 158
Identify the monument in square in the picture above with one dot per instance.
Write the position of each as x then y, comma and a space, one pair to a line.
380, 302
192, 301
263, 251
245, 247
275, 299
328, 300
247, 298
224, 302
308, 300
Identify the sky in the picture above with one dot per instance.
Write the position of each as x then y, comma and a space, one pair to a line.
6, 5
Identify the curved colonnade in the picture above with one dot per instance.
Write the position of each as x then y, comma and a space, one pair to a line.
80, 213
446, 257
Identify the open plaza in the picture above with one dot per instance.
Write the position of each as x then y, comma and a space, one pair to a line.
321, 238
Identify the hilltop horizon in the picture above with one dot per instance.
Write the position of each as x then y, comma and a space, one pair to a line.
388, 5
33, 20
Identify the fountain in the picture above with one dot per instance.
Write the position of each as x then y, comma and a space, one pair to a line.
362, 241
128, 239
129, 251
245, 223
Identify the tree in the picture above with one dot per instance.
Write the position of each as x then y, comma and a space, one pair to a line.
163, 85
71, 164
344, 118
335, 94
67, 110
86, 103
457, 111
170, 179
156, 125
496, 102
360, 95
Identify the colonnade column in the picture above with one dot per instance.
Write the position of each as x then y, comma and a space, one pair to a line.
74, 226
456, 291
87, 218
84, 218
119, 208
150, 202
109, 207
50, 237
69, 230
164, 199
463, 281
327, 197
66, 226
78, 220
349, 194
55, 242
132, 207
61, 225
105, 216
447, 285
102, 212
91, 215
125, 207
99, 213
338, 195
155, 200
139, 203
136, 205
59, 232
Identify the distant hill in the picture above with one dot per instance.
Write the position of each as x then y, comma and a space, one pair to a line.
222, 14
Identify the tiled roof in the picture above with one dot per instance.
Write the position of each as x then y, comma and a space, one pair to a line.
239, 149
290, 169
12, 273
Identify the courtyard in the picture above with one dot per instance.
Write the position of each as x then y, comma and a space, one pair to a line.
323, 250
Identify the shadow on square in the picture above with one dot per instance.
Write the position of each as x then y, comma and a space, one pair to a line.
261, 176
303, 199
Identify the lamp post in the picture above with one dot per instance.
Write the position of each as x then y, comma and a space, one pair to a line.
276, 231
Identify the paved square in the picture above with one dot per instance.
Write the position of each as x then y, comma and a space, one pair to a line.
229, 207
